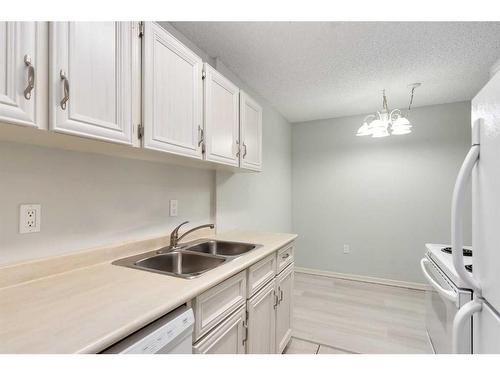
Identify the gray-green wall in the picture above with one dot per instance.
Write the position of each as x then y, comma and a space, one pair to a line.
259, 201
384, 197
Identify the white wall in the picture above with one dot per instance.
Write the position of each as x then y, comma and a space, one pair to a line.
384, 197
89, 200
92, 200
254, 201
259, 201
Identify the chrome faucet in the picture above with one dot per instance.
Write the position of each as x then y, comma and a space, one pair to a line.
174, 236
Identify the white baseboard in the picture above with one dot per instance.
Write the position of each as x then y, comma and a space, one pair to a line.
365, 279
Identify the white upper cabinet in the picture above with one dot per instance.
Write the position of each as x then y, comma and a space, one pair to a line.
250, 133
92, 73
222, 132
172, 94
23, 73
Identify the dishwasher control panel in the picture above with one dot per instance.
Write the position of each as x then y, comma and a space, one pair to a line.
159, 335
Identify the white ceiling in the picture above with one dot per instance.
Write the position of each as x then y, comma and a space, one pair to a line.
315, 70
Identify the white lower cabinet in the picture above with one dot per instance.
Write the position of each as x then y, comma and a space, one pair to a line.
269, 315
251, 312
260, 273
226, 338
213, 306
261, 322
284, 288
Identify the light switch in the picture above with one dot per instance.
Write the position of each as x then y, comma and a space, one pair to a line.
174, 204
347, 248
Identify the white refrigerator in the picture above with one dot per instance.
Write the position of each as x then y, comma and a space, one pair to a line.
482, 166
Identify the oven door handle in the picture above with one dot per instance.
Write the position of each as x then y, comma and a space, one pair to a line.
461, 318
448, 294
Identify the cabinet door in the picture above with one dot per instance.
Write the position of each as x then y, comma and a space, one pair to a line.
214, 305
91, 79
261, 321
23, 73
284, 287
227, 338
172, 94
251, 133
221, 118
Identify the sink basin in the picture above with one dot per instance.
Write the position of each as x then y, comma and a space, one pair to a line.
228, 249
190, 260
175, 263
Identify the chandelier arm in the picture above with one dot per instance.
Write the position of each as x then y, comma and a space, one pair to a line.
411, 97
395, 111
368, 117
384, 101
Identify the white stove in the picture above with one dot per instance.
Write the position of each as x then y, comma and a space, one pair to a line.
445, 262
447, 295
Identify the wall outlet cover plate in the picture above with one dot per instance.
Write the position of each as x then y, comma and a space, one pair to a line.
29, 218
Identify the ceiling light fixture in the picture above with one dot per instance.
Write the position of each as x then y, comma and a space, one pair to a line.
386, 123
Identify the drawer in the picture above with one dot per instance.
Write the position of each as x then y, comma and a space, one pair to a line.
260, 273
214, 305
227, 338
285, 257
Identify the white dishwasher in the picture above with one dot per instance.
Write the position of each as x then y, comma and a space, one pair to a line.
171, 334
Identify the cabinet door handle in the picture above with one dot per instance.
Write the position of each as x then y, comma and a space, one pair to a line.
275, 300
281, 295
237, 148
244, 152
245, 332
31, 77
201, 135
65, 98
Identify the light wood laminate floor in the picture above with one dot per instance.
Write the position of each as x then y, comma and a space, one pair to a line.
336, 315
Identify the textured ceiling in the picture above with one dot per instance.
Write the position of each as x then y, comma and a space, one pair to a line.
315, 70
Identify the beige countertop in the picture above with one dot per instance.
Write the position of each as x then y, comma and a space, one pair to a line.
86, 308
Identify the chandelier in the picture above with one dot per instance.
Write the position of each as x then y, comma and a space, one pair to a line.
385, 122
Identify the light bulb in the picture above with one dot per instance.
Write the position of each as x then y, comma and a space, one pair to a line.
401, 130
379, 133
364, 130
376, 124
401, 121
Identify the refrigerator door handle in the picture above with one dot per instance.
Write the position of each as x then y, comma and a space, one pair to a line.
457, 207
461, 317
448, 294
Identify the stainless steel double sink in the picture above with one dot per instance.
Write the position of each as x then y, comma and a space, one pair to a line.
187, 261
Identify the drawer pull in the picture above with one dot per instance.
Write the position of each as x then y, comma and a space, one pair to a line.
284, 256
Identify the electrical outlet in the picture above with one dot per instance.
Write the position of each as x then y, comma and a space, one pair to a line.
29, 218
174, 205
347, 248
